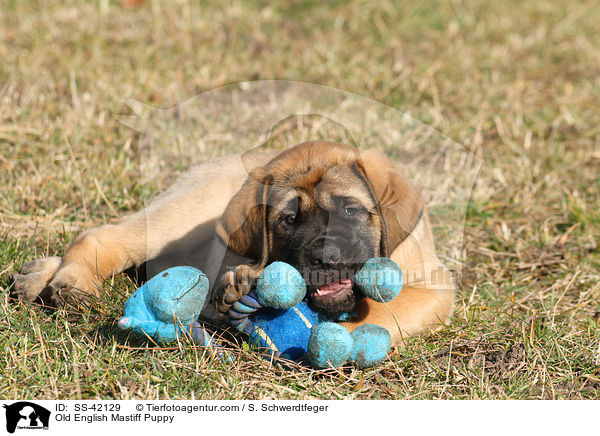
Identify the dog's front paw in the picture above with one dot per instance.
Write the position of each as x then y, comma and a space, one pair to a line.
34, 277
73, 286
234, 285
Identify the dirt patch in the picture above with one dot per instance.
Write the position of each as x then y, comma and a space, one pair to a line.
504, 362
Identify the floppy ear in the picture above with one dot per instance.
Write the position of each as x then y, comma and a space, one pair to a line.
243, 225
398, 202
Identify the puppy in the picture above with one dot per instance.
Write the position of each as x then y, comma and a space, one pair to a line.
325, 208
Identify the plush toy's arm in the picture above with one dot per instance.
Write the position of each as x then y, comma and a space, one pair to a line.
242, 309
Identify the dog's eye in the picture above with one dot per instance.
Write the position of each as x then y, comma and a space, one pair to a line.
290, 218
351, 211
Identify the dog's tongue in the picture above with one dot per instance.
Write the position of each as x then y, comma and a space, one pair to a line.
334, 287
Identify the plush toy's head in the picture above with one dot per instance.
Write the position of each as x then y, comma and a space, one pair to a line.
179, 294
171, 299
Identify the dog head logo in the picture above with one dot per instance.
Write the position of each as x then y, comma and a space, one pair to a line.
26, 415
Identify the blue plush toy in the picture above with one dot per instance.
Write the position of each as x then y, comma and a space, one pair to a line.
291, 333
273, 315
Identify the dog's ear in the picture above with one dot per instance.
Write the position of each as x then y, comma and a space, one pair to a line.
398, 202
243, 225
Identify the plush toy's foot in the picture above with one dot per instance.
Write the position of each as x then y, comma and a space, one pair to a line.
331, 344
372, 344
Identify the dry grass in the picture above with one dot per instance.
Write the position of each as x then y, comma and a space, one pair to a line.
517, 83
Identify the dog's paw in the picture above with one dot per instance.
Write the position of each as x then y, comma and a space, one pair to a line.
73, 285
48, 278
35, 276
234, 285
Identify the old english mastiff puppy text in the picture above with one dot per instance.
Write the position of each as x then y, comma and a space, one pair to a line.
323, 207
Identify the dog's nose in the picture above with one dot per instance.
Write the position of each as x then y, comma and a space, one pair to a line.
325, 255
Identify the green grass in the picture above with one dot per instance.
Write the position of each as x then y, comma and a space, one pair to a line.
515, 82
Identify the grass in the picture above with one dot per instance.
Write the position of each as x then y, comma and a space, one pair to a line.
516, 83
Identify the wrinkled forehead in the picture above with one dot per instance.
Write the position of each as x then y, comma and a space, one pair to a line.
322, 186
